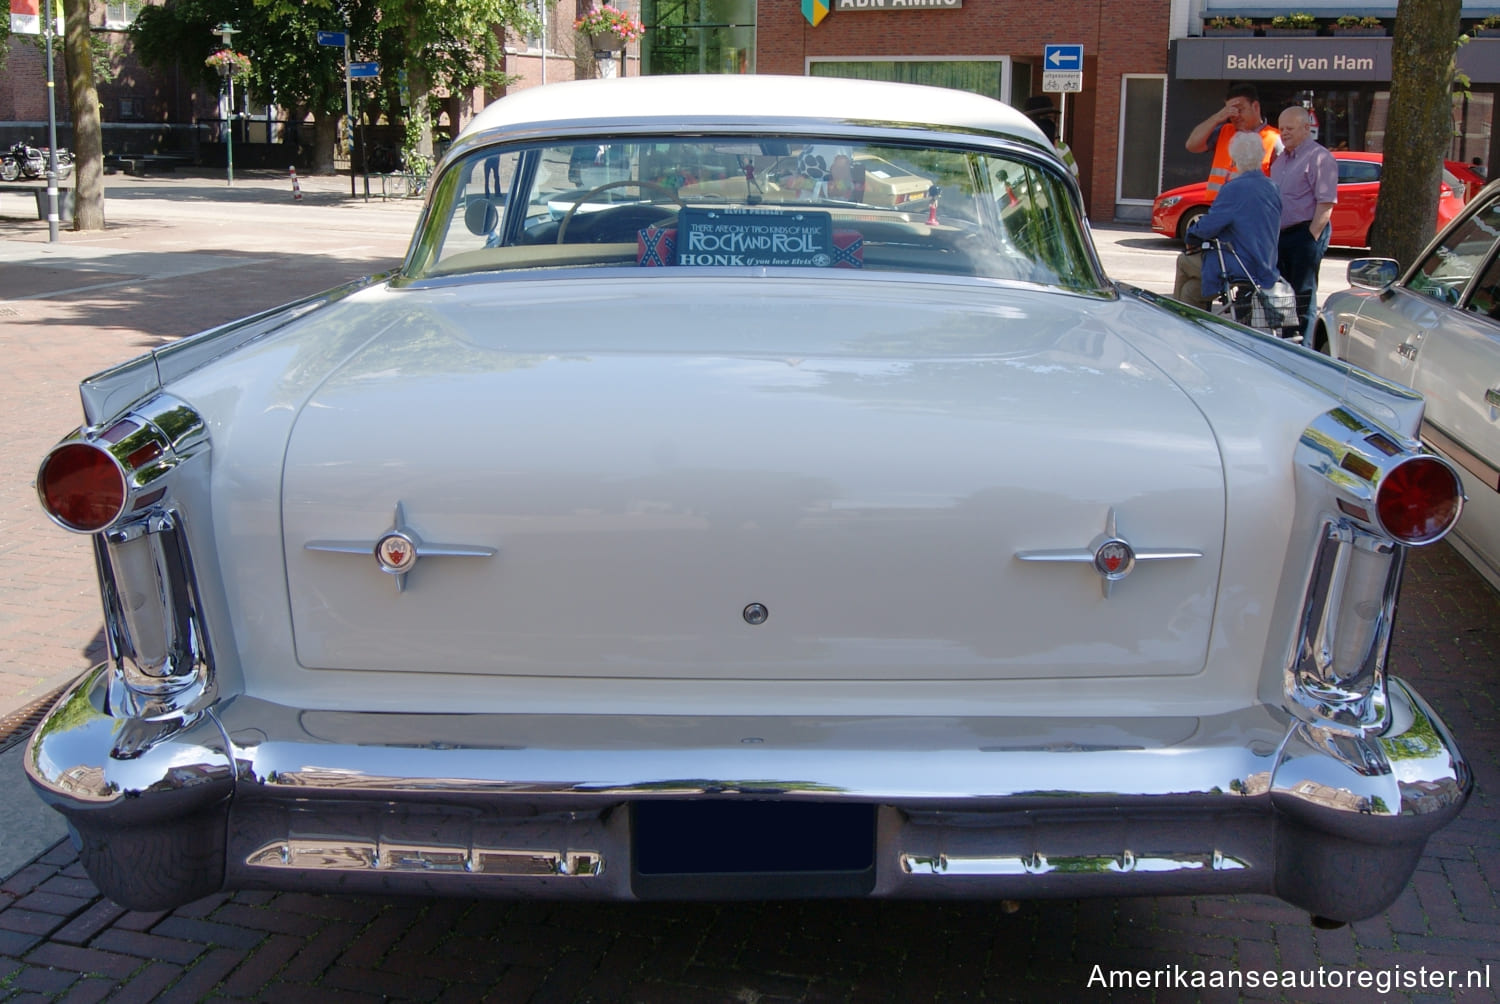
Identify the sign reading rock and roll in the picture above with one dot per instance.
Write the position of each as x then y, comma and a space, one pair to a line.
843, 5
754, 237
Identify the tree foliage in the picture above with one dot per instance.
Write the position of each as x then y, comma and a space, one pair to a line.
1419, 127
450, 45
433, 46
288, 66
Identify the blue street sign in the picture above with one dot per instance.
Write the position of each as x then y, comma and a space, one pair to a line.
1062, 57
357, 70
338, 38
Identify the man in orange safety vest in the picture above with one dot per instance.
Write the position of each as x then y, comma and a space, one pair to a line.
1241, 113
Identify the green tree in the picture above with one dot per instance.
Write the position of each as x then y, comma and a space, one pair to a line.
439, 46
449, 46
1419, 128
288, 67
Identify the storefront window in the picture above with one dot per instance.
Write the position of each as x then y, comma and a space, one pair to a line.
698, 36
985, 77
1141, 104
1354, 118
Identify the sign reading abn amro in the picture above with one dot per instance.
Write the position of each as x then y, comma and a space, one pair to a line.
867, 5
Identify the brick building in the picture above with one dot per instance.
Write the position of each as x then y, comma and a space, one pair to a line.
1150, 71
995, 47
1341, 73
135, 105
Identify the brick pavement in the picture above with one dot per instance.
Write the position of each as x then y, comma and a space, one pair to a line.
60, 941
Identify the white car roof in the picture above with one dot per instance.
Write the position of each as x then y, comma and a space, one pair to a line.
754, 99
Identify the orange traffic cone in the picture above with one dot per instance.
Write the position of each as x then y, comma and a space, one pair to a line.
296, 187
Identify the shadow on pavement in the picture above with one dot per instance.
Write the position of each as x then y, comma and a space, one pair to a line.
1153, 242
126, 292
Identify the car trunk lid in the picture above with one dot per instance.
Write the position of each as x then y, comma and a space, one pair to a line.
752, 481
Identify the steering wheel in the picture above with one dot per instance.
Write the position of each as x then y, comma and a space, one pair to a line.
644, 186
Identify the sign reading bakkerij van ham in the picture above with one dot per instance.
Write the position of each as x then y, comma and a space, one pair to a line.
754, 237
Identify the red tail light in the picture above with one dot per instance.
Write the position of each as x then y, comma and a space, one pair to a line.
81, 487
1420, 500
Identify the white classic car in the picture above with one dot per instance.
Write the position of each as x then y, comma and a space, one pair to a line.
748, 487
1437, 329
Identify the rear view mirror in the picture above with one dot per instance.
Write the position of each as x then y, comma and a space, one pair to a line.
1373, 273
481, 216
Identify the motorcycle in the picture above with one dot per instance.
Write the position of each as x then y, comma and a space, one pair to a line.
24, 160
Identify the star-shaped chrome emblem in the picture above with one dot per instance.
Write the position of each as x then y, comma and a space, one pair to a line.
1112, 556
396, 551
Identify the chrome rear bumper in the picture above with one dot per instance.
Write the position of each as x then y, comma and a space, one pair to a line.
261, 795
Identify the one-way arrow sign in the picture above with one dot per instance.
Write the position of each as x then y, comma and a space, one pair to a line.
1062, 57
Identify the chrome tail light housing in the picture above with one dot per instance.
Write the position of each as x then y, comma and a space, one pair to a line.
1381, 496
118, 483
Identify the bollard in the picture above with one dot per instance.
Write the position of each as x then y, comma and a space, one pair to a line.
296, 186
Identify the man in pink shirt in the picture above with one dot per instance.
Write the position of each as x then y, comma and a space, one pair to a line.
1308, 178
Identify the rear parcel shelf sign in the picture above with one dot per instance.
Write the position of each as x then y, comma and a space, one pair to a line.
754, 237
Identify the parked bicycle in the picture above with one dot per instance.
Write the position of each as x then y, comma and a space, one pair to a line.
411, 180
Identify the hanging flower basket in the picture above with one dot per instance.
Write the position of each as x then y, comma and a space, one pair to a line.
609, 28
606, 41
229, 63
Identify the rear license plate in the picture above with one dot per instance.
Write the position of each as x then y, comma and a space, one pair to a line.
715, 849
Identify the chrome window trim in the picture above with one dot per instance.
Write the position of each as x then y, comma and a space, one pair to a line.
1451, 448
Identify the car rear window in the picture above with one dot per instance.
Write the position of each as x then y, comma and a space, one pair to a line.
676, 202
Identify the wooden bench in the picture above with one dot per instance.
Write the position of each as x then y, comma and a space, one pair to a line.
140, 164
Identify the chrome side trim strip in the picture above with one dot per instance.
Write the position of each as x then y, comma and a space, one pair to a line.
1450, 448
1041, 864
304, 853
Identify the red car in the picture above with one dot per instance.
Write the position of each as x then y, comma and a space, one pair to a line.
1359, 182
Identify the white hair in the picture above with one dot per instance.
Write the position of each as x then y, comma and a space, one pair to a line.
1246, 151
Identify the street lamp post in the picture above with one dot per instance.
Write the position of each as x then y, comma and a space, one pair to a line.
227, 32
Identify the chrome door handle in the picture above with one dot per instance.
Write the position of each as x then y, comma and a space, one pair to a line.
1407, 350
1492, 397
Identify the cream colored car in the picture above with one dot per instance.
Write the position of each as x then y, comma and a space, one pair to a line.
1437, 329
748, 486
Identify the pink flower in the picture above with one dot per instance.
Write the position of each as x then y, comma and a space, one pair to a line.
606, 18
